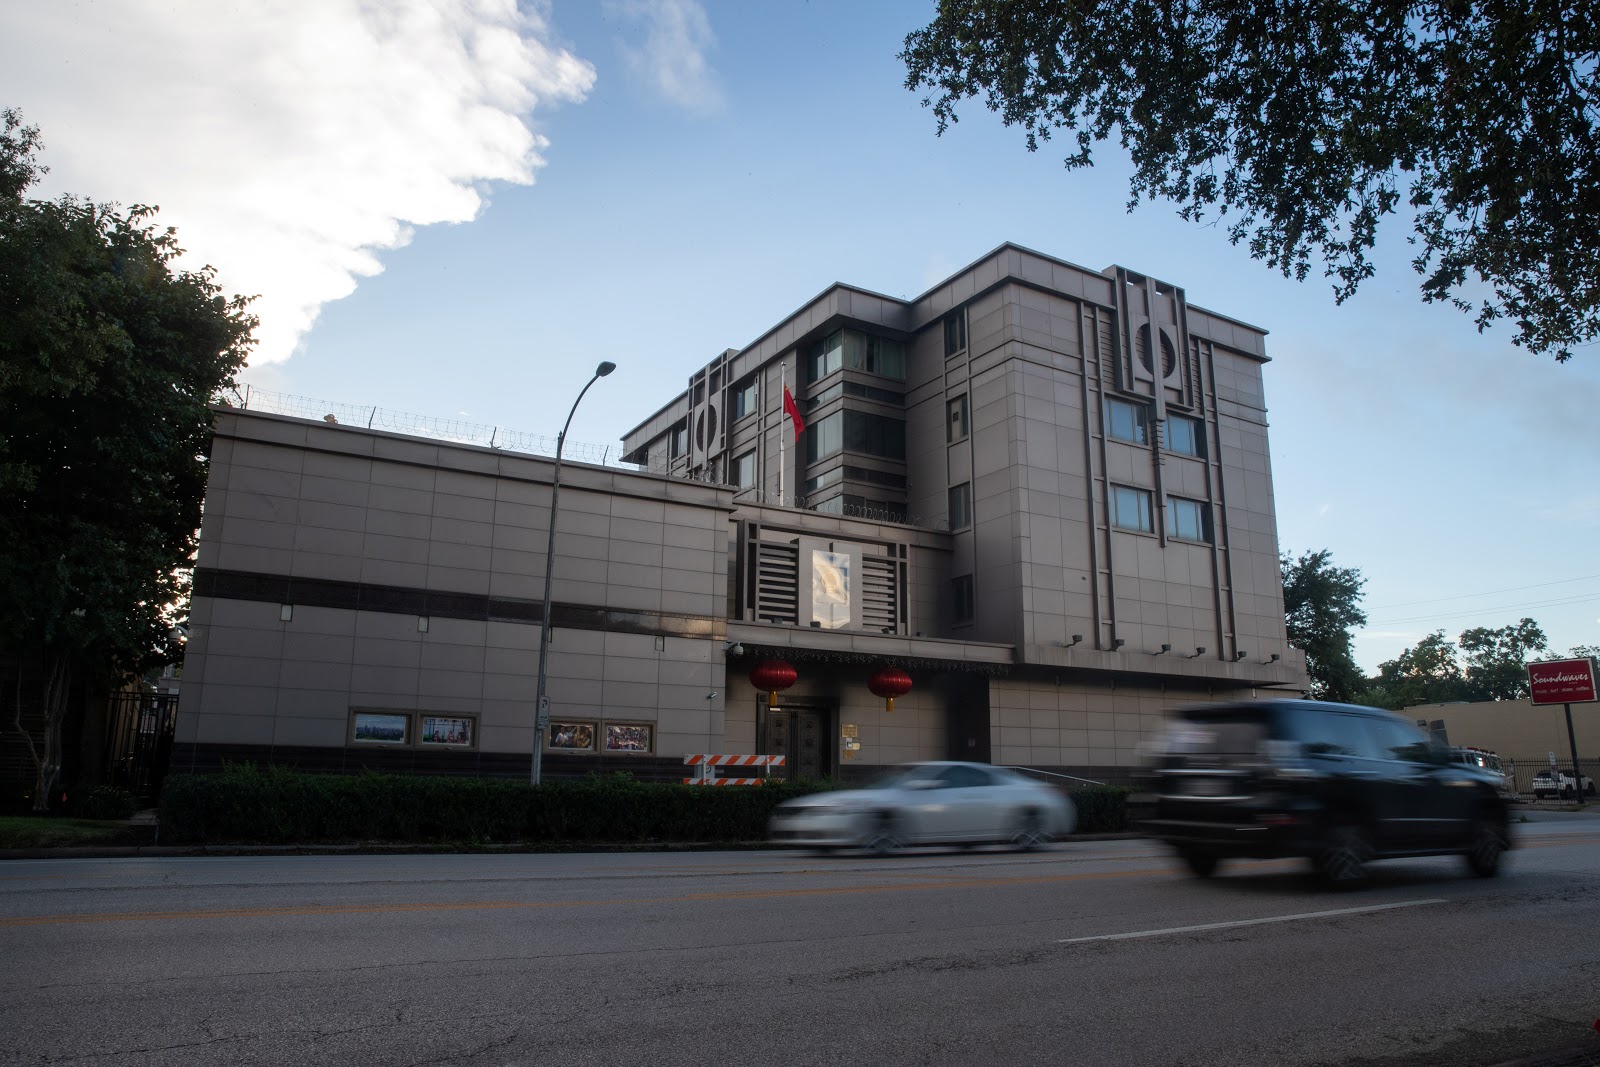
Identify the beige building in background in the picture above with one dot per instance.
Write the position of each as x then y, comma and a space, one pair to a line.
1042, 491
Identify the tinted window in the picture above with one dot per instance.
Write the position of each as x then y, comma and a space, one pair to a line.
965, 777
1330, 733
1397, 741
1224, 734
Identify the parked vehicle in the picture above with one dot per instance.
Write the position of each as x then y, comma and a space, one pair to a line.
928, 804
1336, 783
1554, 783
1489, 761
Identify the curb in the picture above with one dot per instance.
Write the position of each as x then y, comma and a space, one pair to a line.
90, 852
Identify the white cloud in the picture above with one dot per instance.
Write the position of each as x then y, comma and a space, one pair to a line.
672, 59
289, 143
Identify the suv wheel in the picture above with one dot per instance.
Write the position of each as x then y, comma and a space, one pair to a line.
1200, 864
1343, 858
1485, 844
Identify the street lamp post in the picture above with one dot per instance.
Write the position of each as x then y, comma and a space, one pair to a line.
541, 721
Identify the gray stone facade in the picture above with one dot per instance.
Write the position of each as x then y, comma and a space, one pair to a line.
1043, 491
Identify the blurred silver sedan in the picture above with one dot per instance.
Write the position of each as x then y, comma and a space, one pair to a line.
928, 804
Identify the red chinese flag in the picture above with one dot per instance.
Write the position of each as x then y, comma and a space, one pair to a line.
794, 413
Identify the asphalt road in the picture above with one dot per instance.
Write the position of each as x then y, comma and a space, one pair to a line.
1094, 952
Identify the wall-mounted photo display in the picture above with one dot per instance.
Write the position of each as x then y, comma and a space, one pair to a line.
628, 737
571, 737
380, 728
448, 731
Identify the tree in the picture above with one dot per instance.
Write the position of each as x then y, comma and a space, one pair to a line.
1497, 660
1321, 605
109, 357
1303, 124
1583, 652
1427, 673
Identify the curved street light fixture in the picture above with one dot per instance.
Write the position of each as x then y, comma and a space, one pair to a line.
541, 721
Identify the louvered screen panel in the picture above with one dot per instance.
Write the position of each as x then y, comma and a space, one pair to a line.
778, 583
879, 594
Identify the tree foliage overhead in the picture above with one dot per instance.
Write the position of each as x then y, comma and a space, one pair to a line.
1303, 124
1321, 605
109, 357
1428, 672
1497, 659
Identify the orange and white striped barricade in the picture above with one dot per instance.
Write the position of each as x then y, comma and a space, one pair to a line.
706, 764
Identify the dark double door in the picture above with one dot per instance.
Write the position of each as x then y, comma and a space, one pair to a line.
804, 735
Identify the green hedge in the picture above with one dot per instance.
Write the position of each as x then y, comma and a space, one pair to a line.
246, 804
1102, 809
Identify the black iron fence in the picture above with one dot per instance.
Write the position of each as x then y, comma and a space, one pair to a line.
1523, 768
139, 747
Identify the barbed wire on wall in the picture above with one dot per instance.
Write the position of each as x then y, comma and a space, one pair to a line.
455, 431
461, 432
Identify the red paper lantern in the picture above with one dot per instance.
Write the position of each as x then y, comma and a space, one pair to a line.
772, 676
888, 683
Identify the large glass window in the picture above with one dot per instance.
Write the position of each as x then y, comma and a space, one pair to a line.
1188, 520
825, 479
961, 506
956, 418
825, 436
1183, 435
1126, 421
1131, 509
744, 398
680, 439
955, 332
856, 431
857, 351
744, 470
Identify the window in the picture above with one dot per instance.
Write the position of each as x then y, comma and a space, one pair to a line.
825, 436
955, 332
1131, 509
955, 414
1183, 435
1126, 421
856, 351
874, 435
680, 439
1188, 520
744, 398
744, 470
961, 588
825, 479
1397, 741
961, 506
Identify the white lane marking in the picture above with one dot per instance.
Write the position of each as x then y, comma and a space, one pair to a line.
1250, 922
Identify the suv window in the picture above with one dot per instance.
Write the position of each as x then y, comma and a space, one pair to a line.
1330, 733
1225, 732
1397, 741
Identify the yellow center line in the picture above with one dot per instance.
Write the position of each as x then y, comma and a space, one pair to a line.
517, 905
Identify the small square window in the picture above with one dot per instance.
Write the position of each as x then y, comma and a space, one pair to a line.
1188, 520
1127, 421
1183, 435
961, 590
956, 419
961, 506
1131, 509
955, 332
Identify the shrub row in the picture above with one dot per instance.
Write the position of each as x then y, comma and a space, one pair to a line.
280, 806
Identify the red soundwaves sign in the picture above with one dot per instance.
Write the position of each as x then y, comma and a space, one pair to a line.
1562, 681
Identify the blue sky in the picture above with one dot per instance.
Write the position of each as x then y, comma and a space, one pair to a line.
458, 207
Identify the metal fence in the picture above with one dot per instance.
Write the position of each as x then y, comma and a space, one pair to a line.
139, 747
1523, 768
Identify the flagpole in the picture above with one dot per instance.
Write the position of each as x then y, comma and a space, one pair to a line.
783, 389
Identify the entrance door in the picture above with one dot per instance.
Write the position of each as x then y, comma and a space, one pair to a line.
803, 734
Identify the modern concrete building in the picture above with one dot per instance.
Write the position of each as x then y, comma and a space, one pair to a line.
1041, 491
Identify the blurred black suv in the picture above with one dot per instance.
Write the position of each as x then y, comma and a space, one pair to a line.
1336, 783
